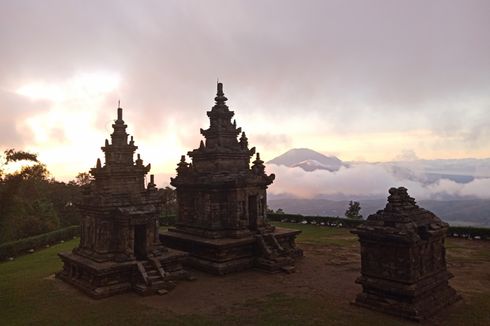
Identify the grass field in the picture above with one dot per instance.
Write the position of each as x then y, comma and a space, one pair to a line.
317, 294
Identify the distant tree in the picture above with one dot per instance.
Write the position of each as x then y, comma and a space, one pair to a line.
269, 210
280, 211
64, 197
11, 155
169, 201
26, 207
353, 210
83, 179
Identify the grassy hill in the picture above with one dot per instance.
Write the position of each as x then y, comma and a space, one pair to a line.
319, 293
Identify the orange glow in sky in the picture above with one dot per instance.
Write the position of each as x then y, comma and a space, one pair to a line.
67, 137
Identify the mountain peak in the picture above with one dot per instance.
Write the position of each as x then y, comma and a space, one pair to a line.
307, 159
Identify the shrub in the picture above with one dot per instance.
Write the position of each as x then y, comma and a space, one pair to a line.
22, 246
460, 231
469, 232
326, 220
167, 220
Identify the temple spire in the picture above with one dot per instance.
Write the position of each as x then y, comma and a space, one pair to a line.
220, 95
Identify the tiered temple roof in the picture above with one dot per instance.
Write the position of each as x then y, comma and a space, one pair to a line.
222, 202
120, 174
222, 152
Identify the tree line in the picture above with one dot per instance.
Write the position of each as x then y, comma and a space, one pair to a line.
33, 202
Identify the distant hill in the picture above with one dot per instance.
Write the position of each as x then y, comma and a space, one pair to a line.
443, 175
308, 160
474, 212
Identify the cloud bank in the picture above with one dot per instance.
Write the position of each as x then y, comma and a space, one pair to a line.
367, 181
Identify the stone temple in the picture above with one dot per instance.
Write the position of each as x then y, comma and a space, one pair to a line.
119, 246
222, 203
403, 260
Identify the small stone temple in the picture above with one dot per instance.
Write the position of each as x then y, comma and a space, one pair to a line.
120, 249
403, 260
222, 203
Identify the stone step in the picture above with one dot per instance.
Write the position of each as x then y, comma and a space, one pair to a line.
284, 260
144, 289
141, 288
152, 272
162, 292
288, 269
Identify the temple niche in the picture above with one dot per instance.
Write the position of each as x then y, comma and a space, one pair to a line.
222, 203
120, 249
403, 260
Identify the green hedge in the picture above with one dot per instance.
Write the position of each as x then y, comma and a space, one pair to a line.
22, 246
168, 220
326, 220
454, 231
469, 232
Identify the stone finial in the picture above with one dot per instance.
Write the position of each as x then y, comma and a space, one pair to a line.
131, 142
220, 95
182, 166
400, 200
151, 184
119, 114
243, 141
139, 161
201, 144
258, 165
98, 164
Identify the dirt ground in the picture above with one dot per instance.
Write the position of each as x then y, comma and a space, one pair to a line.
319, 273
325, 276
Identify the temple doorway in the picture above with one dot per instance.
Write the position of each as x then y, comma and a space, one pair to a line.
252, 212
140, 242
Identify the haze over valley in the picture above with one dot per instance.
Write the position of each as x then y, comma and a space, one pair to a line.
311, 183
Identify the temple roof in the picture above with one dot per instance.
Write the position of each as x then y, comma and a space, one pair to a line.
221, 138
224, 151
120, 173
119, 151
402, 217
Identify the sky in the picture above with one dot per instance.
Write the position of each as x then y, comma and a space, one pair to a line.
362, 80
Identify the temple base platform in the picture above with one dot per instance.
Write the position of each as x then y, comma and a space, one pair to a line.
412, 301
154, 275
273, 251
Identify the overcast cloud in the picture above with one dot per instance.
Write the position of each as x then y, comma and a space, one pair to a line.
297, 73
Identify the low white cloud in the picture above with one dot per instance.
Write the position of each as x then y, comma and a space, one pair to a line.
367, 180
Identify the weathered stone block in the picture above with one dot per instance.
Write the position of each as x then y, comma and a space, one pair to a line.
403, 260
